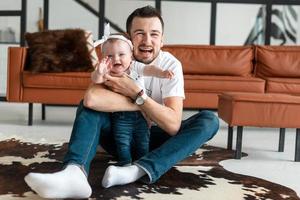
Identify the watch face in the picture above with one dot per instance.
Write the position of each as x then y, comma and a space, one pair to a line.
139, 101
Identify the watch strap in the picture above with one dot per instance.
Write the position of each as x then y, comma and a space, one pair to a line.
141, 96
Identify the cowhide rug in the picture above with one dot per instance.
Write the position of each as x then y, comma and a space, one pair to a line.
198, 177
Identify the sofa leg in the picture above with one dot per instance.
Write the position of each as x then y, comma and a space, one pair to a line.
30, 109
281, 139
229, 137
43, 111
238, 148
297, 149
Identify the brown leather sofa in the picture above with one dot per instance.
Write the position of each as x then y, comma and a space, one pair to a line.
48, 88
208, 72
280, 67
211, 70
45, 88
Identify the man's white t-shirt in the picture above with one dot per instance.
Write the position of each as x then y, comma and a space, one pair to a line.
136, 73
160, 88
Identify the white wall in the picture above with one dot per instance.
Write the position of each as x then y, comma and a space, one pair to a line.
33, 7
10, 22
69, 14
10, 4
192, 26
234, 22
118, 10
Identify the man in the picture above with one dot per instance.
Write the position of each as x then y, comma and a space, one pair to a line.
171, 140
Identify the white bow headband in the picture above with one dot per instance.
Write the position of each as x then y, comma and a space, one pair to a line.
107, 36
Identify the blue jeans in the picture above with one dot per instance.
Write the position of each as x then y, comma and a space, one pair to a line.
92, 128
131, 135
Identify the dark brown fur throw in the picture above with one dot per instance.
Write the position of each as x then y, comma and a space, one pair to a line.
58, 51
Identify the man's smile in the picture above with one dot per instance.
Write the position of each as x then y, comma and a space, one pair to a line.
144, 49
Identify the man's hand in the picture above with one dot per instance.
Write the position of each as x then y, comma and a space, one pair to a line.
122, 85
147, 118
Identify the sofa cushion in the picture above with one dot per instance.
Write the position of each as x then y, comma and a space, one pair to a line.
255, 97
66, 80
60, 51
278, 61
214, 60
261, 110
217, 84
283, 85
196, 100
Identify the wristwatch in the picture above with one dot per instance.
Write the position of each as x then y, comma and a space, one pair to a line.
141, 98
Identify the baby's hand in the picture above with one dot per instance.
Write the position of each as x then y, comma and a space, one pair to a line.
104, 66
168, 74
101, 69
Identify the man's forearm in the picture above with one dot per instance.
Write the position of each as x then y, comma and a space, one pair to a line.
168, 116
99, 98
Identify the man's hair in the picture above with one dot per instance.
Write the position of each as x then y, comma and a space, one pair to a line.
144, 12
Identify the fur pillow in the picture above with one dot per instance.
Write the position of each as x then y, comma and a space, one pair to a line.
59, 51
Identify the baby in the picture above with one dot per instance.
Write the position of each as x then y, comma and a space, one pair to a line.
128, 127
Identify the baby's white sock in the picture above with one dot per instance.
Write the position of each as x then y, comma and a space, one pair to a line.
68, 183
121, 175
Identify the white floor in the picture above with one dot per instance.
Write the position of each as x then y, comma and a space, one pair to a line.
260, 144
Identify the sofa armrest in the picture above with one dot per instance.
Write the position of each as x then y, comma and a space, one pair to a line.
15, 65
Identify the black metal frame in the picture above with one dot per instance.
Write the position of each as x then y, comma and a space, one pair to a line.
281, 139
297, 145
239, 138
30, 115
229, 138
23, 22
46, 14
101, 15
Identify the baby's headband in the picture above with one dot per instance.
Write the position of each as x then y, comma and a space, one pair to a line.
107, 36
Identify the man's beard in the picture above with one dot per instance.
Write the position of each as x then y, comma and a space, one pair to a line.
147, 62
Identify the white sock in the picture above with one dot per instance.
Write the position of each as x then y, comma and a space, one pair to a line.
68, 183
121, 175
